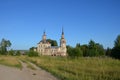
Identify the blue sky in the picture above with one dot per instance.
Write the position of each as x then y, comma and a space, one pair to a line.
23, 21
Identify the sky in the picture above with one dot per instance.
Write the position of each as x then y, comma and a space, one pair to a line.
24, 21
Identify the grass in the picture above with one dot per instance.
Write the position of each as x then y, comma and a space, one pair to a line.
80, 68
71, 69
23, 59
30, 66
10, 61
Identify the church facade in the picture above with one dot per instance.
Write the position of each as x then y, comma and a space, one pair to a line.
44, 47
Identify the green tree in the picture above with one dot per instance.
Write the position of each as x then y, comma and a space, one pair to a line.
77, 52
95, 49
18, 53
32, 54
32, 48
116, 49
70, 50
84, 48
108, 52
11, 52
78, 45
8, 44
74, 52
100, 49
4, 45
91, 45
92, 52
92, 48
117, 41
53, 42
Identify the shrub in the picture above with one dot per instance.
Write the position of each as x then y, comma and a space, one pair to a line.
11, 52
32, 53
18, 53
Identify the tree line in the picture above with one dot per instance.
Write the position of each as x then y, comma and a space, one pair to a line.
87, 50
93, 49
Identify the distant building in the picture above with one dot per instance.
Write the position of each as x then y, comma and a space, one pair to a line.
44, 47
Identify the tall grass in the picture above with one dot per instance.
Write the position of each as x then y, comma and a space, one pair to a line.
80, 68
10, 61
94, 68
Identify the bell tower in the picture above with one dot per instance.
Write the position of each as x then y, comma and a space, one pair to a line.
44, 37
63, 44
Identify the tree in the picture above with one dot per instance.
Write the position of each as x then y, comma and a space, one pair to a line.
92, 51
84, 48
91, 45
18, 53
53, 42
74, 52
100, 49
95, 49
78, 45
108, 52
77, 52
70, 50
8, 44
11, 52
32, 48
4, 45
116, 49
32, 54
117, 41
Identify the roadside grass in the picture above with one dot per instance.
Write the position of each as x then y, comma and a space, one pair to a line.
83, 68
23, 59
94, 68
30, 66
10, 61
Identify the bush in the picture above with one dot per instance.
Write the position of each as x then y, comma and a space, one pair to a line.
116, 52
11, 52
74, 52
77, 52
32, 53
18, 53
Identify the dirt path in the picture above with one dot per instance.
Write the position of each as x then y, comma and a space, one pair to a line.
8, 73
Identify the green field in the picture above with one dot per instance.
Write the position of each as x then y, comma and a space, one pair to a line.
77, 69
10, 61
80, 68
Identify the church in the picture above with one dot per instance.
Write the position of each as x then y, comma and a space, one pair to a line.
44, 47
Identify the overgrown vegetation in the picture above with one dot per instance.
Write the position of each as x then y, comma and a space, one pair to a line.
93, 49
10, 61
115, 53
29, 65
67, 68
87, 68
32, 53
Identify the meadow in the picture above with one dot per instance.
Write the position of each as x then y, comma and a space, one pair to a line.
11, 61
82, 68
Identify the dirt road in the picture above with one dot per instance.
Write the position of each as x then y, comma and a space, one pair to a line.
9, 73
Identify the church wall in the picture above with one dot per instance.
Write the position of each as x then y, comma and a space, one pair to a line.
44, 47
